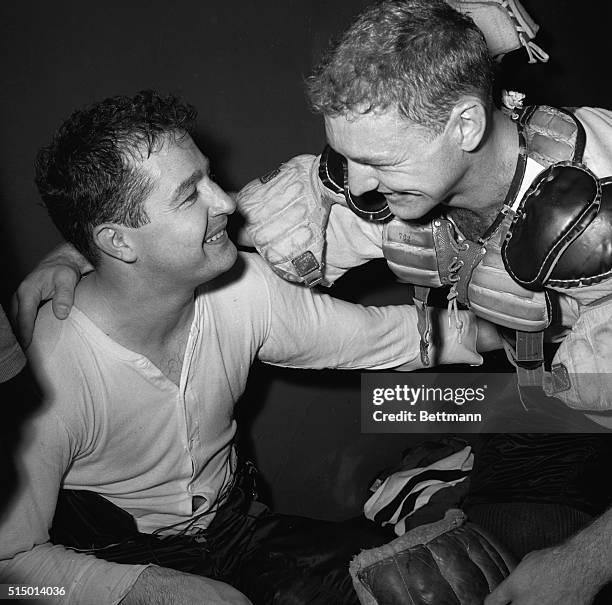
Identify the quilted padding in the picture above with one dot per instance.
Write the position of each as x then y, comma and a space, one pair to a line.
447, 563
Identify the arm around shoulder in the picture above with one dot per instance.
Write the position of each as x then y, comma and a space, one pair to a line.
55, 277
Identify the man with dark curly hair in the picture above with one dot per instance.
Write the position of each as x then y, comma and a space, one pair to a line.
141, 380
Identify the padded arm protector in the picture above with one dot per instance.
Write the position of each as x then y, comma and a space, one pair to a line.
286, 213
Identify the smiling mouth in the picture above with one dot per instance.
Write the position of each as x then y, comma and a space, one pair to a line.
400, 195
215, 237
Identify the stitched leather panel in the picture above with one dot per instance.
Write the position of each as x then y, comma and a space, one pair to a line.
459, 567
558, 207
588, 259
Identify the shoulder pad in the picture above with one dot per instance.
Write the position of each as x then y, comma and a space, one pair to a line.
588, 259
286, 216
559, 206
551, 134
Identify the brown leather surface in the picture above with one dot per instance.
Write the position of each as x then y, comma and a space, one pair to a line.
458, 567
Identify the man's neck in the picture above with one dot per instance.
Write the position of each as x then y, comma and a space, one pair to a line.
140, 316
488, 180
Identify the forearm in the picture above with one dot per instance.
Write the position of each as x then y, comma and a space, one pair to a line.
155, 586
26, 555
591, 551
162, 586
83, 579
571, 572
450, 343
317, 331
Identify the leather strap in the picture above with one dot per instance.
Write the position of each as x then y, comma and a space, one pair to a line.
456, 260
421, 294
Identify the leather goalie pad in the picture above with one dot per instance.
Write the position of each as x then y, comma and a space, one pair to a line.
496, 297
555, 212
449, 562
408, 247
286, 213
411, 254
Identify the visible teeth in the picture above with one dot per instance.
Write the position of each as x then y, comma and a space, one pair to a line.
215, 237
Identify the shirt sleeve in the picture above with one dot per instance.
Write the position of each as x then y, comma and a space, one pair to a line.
26, 555
307, 329
350, 241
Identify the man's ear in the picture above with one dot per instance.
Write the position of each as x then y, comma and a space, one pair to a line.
113, 240
468, 122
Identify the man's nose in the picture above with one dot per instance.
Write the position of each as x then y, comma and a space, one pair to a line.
361, 179
224, 203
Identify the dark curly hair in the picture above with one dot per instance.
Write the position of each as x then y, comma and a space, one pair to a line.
87, 175
419, 56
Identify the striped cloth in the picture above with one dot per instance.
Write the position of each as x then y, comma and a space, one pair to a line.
406, 491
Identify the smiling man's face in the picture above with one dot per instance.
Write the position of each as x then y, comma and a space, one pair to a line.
185, 240
412, 168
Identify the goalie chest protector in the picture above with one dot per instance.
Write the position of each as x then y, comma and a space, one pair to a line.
435, 253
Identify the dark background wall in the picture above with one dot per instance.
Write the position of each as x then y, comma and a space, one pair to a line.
242, 64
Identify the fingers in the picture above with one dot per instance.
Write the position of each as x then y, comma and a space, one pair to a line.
63, 299
56, 283
23, 313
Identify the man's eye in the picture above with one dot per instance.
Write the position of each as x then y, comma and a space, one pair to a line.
191, 199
